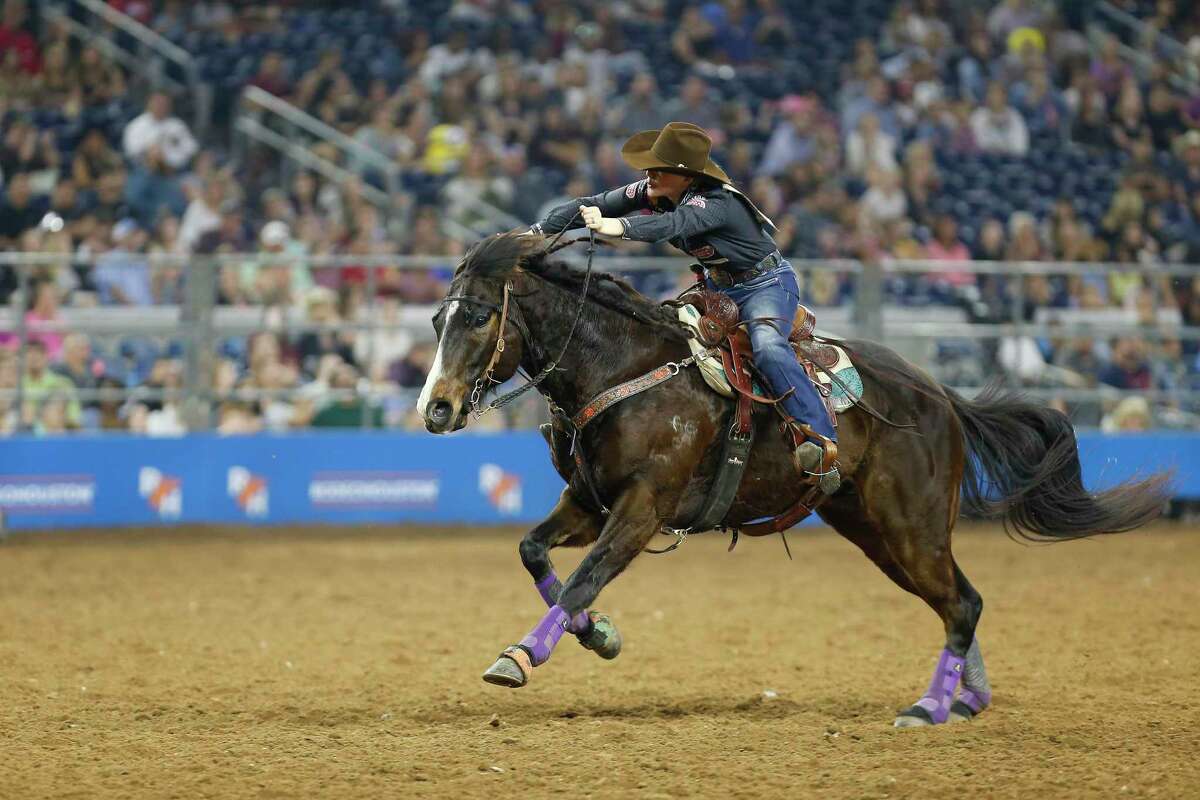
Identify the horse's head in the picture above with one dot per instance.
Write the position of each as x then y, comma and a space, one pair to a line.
479, 342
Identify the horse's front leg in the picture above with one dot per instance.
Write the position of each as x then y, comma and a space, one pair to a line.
630, 526
569, 525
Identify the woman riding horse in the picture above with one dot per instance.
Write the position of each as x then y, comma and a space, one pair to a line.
688, 200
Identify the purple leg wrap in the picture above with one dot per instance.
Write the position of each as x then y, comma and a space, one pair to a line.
976, 701
940, 694
541, 640
549, 587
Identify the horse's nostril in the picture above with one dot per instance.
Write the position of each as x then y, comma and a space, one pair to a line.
439, 412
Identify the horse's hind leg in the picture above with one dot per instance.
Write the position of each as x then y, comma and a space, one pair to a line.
918, 559
976, 690
939, 582
569, 525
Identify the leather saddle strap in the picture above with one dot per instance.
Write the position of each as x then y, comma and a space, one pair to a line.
823, 391
623, 391
798, 511
735, 452
499, 351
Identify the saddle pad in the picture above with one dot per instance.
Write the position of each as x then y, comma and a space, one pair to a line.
830, 356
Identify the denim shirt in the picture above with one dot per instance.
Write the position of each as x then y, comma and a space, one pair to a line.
716, 225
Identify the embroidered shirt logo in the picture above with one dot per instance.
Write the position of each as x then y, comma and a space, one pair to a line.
696, 201
632, 189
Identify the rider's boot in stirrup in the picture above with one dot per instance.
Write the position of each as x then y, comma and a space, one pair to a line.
816, 455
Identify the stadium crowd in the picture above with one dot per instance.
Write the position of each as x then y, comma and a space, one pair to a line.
931, 129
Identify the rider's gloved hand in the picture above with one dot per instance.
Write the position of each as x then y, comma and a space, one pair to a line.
605, 226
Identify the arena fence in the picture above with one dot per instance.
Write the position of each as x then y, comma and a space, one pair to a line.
924, 309
361, 477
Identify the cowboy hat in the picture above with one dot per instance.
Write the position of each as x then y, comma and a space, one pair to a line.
679, 147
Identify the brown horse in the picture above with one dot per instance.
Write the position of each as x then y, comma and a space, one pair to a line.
653, 456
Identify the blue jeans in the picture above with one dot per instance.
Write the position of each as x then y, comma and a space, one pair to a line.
777, 295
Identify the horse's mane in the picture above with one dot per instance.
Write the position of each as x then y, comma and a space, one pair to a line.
495, 257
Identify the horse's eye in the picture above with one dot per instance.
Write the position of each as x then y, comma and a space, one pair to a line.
481, 319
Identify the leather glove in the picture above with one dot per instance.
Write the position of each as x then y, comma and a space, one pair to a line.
605, 226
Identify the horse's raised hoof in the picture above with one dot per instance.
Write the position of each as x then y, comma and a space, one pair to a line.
512, 669
604, 638
913, 717
961, 712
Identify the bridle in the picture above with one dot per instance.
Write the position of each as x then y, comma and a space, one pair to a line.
487, 379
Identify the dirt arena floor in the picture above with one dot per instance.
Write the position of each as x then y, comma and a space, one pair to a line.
325, 664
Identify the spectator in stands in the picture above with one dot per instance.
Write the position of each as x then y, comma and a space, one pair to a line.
203, 214
976, 69
883, 201
1162, 116
1039, 103
1024, 243
10, 418
16, 39
66, 203
1131, 414
793, 139
350, 410
78, 365
1108, 68
1128, 125
39, 382
477, 182
94, 157
876, 100
20, 210
695, 103
26, 150
103, 81
1129, 368
998, 127
322, 339
122, 274
272, 75
110, 206
281, 276
42, 321
639, 110
382, 136
869, 147
53, 416
158, 140
694, 40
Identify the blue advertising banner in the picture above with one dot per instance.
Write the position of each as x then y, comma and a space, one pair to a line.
305, 477
76, 481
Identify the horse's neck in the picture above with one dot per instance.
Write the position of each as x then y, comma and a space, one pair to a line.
607, 347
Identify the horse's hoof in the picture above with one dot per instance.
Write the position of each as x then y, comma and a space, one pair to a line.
512, 669
604, 638
960, 712
913, 717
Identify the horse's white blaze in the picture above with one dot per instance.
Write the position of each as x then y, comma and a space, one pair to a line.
435, 372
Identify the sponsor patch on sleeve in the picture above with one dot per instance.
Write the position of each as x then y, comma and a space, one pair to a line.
632, 189
697, 201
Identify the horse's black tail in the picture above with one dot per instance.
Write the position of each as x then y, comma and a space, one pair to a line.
1023, 467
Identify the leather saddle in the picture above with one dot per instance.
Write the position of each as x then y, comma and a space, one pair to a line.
720, 327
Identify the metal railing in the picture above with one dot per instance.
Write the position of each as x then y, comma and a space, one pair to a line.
149, 61
1149, 43
199, 325
292, 132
